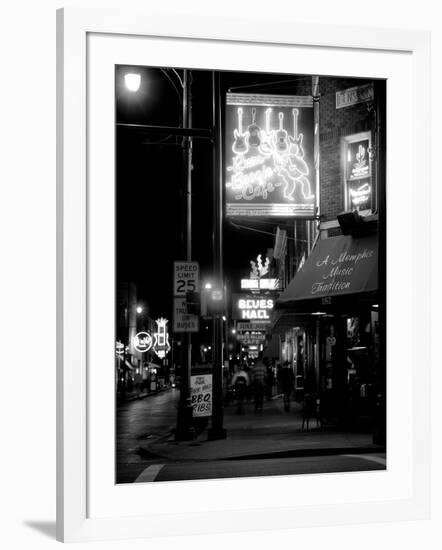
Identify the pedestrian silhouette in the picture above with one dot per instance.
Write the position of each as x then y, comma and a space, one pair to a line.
259, 376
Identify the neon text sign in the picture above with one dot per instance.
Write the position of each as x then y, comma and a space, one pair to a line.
255, 308
267, 170
260, 284
361, 195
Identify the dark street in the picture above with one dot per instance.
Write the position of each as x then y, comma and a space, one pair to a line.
141, 421
250, 274
257, 445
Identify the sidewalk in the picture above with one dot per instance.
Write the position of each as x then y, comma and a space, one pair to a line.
272, 434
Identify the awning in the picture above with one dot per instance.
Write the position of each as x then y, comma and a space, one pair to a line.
338, 266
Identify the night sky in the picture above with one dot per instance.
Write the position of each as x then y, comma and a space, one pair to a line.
149, 187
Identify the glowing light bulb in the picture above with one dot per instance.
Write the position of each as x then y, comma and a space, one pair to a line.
132, 81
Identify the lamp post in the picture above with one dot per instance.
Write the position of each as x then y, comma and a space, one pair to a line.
184, 429
188, 133
217, 430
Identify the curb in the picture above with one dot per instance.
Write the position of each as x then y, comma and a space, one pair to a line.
294, 453
326, 451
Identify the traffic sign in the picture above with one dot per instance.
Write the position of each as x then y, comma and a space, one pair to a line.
183, 321
185, 277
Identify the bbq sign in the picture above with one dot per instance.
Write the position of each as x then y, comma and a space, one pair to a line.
269, 156
201, 395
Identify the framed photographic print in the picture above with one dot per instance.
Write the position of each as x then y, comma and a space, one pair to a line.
242, 290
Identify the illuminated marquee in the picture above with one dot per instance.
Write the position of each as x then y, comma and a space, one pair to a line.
260, 284
252, 307
269, 167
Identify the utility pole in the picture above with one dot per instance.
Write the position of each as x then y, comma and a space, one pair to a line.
185, 430
217, 431
316, 149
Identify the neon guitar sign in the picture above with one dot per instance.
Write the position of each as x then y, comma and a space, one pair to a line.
268, 163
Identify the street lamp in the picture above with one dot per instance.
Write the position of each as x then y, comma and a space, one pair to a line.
182, 86
132, 81
139, 309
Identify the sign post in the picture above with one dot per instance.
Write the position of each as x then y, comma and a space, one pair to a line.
183, 321
185, 277
185, 280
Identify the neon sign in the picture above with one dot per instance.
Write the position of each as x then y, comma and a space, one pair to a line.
258, 268
119, 348
268, 170
252, 307
260, 284
142, 341
358, 171
360, 168
256, 279
161, 346
360, 195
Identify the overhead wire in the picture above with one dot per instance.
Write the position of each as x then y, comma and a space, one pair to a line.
239, 226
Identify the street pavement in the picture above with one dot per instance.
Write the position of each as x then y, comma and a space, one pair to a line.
261, 467
271, 443
139, 422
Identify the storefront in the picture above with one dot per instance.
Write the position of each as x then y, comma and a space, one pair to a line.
328, 319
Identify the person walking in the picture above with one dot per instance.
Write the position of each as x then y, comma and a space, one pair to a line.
259, 377
270, 382
240, 382
286, 380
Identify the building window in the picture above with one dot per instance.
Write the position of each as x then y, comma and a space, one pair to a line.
357, 170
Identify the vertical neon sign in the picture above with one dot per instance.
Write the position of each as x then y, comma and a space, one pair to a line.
161, 346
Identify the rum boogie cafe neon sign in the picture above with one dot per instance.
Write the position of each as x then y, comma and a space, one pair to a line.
252, 307
268, 152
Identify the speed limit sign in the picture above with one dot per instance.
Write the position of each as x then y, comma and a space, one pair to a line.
185, 278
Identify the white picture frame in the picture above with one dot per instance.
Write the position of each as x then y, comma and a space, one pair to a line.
89, 42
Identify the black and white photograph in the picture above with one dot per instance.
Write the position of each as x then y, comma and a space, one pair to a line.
250, 280
221, 265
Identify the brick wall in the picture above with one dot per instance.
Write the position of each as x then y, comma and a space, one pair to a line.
334, 125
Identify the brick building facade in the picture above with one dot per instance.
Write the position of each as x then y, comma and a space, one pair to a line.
333, 342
